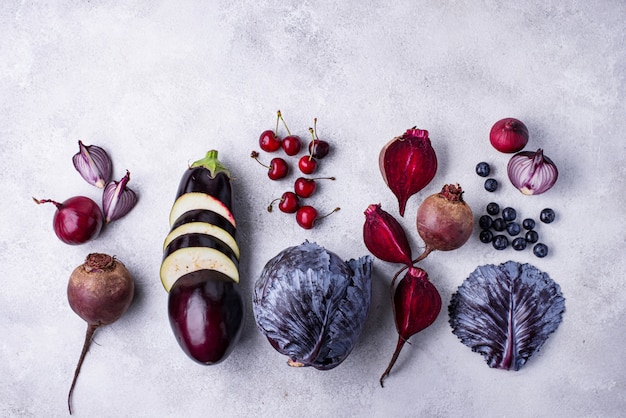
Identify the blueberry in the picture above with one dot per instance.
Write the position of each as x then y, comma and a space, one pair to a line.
532, 236
493, 208
509, 214
499, 224
528, 223
547, 216
485, 222
486, 236
483, 169
491, 185
500, 242
519, 244
513, 228
540, 250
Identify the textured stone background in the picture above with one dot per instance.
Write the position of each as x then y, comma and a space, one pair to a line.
159, 83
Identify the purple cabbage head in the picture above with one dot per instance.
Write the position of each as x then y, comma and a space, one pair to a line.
311, 305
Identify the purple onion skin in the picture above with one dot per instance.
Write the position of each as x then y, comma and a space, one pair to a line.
532, 173
508, 135
93, 164
408, 163
384, 237
118, 199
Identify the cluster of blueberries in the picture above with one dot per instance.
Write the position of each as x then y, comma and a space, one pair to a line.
492, 228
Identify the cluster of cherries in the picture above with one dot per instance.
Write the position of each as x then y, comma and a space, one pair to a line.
278, 168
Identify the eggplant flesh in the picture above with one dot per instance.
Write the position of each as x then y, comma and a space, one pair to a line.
189, 259
205, 216
198, 179
197, 200
206, 229
200, 240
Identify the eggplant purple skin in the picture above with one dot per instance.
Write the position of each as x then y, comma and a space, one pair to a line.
200, 240
206, 216
206, 313
198, 179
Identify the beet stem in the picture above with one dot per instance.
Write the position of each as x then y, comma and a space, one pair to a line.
392, 286
88, 337
396, 353
423, 255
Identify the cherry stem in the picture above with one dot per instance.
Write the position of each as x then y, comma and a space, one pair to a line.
315, 127
280, 116
322, 178
271, 205
40, 201
313, 141
328, 214
255, 155
277, 119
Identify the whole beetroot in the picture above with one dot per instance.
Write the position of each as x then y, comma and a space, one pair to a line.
99, 291
444, 220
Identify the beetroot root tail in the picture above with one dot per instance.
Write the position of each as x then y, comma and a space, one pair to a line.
396, 353
88, 337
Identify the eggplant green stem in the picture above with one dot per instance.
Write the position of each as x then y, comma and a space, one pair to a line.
211, 163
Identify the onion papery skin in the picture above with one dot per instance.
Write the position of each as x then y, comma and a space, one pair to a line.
444, 221
508, 135
78, 220
408, 163
532, 173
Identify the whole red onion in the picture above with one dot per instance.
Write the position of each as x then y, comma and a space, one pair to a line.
509, 135
408, 163
444, 220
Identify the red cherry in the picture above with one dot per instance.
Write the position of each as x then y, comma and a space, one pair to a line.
289, 203
307, 164
319, 148
291, 144
306, 187
269, 142
277, 169
307, 216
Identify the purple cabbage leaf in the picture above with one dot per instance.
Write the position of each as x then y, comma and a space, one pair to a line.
506, 312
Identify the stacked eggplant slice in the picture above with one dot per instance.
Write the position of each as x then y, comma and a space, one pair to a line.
200, 267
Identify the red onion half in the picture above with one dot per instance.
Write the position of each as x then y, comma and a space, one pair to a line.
532, 172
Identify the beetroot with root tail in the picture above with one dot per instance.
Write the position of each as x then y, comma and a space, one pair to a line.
99, 291
416, 305
408, 163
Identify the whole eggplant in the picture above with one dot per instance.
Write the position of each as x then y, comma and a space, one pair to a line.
311, 305
200, 267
